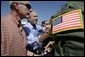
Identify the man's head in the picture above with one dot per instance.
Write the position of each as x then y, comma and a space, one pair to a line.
21, 7
44, 23
33, 17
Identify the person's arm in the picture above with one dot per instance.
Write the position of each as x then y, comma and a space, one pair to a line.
46, 34
49, 46
4, 36
29, 53
27, 30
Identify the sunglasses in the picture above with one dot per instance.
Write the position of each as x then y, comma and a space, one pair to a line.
27, 5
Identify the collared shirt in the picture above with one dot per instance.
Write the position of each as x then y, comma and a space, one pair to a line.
13, 40
31, 33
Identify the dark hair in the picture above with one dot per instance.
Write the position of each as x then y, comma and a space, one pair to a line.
28, 6
43, 22
13, 7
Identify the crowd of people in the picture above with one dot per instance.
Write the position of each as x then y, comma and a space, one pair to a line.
22, 39
31, 39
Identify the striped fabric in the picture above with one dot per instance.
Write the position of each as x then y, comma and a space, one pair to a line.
68, 21
13, 41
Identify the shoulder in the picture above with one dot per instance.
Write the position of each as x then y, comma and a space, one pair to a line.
39, 27
6, 20
27, 24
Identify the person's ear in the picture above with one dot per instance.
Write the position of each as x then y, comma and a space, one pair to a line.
16, 5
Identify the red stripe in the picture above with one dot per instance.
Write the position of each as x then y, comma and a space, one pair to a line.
58, 27
71, 21
65, 28
68, 18
71, 16
73, 13
67, 23
77, 13
75, 18
63, 17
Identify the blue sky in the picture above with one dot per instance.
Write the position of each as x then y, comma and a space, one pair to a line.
44, 9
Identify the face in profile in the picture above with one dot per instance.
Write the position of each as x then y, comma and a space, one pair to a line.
22, 9
33, 17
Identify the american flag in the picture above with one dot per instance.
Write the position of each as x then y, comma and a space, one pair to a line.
68, 21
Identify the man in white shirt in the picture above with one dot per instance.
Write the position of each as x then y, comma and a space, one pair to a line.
35, 33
